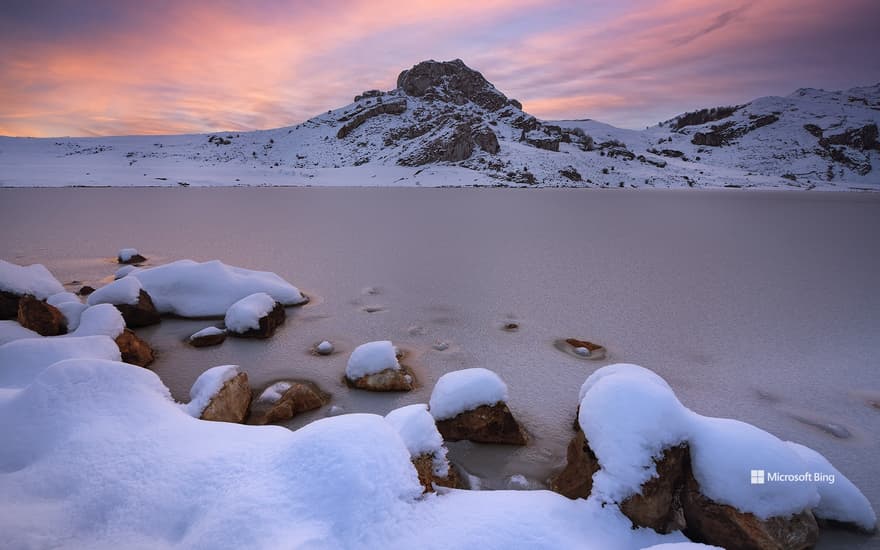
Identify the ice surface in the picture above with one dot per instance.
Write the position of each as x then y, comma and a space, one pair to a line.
192, 289
122, 291
371, 358
34, 279
246, 313
462, 390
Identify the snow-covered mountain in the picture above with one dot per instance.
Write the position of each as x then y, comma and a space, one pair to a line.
445, 124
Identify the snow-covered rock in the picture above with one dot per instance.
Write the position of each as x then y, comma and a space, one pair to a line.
125, 271
374, 366
220, 394
70, 306
34, 279
463, 390
40, 317
324, 348
193, 289
256, 315
425, 445
633, 450
130, 298
471, 404
283, 400
100, 319
129, 256
208, 336
341, 482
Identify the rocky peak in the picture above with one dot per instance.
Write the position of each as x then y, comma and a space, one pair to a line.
451, 81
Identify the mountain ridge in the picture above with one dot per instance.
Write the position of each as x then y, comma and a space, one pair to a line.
445, 124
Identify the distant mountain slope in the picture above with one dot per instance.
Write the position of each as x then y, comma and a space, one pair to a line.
444, 124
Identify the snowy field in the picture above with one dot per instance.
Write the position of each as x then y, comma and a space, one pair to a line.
759, 306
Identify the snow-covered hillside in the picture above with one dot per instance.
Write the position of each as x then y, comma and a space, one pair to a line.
444, 124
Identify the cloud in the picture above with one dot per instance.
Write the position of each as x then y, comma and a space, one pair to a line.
104, 67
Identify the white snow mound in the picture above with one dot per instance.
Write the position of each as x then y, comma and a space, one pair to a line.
193, 289
419, 432
32, 279
100, 319
70, 306
122, 291
11, 330
464, 390
207, 331
246, 313
371, 358
206, 387
21, 361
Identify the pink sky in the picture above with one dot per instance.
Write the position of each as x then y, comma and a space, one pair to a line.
105, 68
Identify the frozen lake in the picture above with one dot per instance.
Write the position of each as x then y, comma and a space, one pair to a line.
760, 306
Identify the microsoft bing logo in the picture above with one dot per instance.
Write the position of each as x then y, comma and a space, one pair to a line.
757, 477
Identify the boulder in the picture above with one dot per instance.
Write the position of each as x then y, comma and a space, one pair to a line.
8, 305
486, 139
231, 403
268, 324
390, 379
659, 504
40, 317
140, 314
85, 290
484, 424
134, 350
424, 465
725, 526
298, 398
211, 336
131, 259
576, 479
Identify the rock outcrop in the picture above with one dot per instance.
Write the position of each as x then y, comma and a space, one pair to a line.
140, 314
231, 403
451, 81
40, 317
390, 379
356, 119
298, 398
725, 526
134, 350
484, 424
268, 324
425, 465
8, 305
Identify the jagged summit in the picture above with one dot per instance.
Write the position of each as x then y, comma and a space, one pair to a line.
454, 82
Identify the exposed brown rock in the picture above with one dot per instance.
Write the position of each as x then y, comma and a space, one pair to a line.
299, 398
85, 290
485, 424
40, 317
387, 380
486, 139
207, 340
134, 350
268, 324
659, 504
596, 351
8, 305
140, 314
231, 402
391, 108
725, 526
424, 465
576, 479
136, 259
